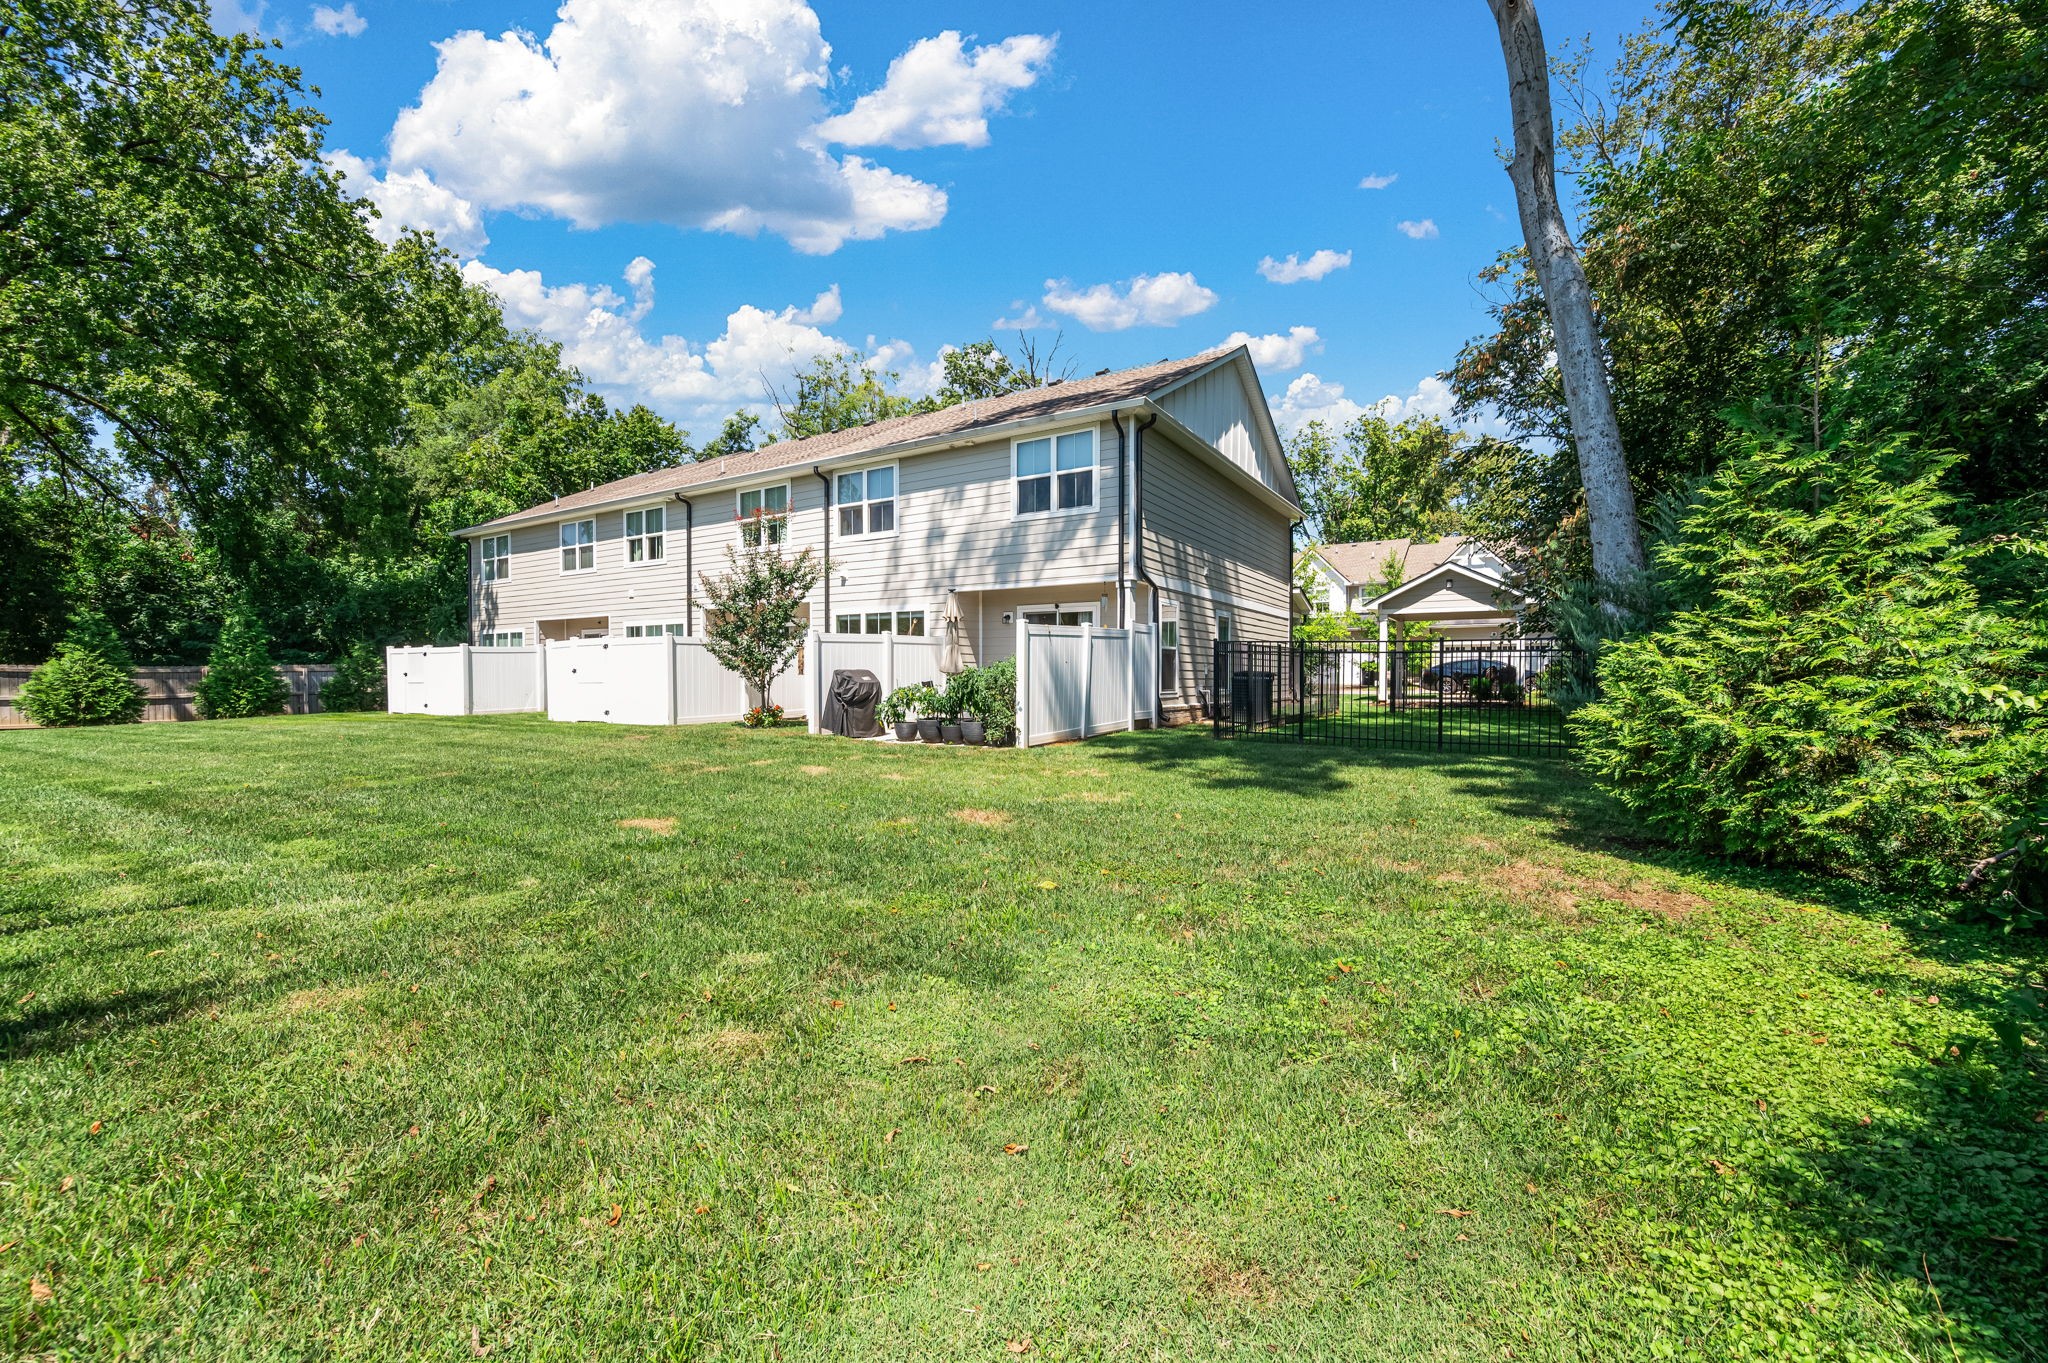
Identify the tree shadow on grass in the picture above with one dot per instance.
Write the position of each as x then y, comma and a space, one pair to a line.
61, 1027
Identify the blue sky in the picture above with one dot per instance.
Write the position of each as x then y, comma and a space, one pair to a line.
693, 195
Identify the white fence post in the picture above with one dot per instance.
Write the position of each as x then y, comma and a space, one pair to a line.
540, 673
468, 681
1023, 682
814, 655
888, 666
1087, 681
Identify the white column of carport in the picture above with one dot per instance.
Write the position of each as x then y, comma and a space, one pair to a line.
1383, 657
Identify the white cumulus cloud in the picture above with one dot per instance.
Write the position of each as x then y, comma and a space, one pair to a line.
1418, 231
940, 94
1277, 350
1377, 181
339, 23
695, 113
1156, 300
1309, 398
603, 333
1294, 269
412, 199
1021, 318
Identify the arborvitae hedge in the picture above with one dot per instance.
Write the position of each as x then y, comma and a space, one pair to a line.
1826, 689
240, 679
86, 682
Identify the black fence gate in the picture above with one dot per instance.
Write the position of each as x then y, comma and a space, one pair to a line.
1488, 695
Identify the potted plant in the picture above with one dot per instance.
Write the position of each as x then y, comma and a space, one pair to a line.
953, 704
963, 698
994, 703
895, 711
925, 701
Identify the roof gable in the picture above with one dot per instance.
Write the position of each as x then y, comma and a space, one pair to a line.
1224, 405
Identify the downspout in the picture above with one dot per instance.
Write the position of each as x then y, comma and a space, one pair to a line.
1138, 429
1123, 490
827, 574
689, 565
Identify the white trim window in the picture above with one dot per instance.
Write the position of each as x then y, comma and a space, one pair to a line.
1054, 473
646, 535
654, 629
494, 558
579, 546
504, 638
908, 624
1226, 627
1066, 613
1169, 650
763, 513
866, 499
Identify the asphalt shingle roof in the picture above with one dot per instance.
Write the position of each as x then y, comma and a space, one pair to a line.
1049, 401
1360, 561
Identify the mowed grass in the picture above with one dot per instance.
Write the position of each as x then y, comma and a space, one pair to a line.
363, 1037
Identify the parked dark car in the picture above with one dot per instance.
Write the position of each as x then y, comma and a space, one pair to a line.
1462, 672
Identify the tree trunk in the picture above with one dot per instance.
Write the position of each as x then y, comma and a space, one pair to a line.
1603, 469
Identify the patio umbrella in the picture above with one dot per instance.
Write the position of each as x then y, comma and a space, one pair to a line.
949, 645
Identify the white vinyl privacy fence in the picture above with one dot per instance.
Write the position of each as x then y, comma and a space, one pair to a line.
665, 680
1076, 681
464, 681
896, 661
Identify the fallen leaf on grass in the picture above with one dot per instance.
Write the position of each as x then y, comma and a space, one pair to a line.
983, 1268
1043, 885
1719, 1168
986, 1088
701, 1211
1453, 1211
915, 1060
894, 1132
93, 1130
38, 1290
838, 1003
1015, 1149
7, 1245
24, 998
617, 1212
476, 1343
1019, 1346
65, 1186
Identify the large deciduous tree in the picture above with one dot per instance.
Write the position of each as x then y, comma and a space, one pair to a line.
1617, 549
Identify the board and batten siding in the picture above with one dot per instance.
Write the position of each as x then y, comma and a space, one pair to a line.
1216, 409
956, 530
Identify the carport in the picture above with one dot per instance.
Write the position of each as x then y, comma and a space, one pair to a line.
1460, 601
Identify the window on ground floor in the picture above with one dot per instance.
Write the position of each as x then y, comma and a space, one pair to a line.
904, 622
1071, 613
1169, 649
1226, 627
654, 629
504, 638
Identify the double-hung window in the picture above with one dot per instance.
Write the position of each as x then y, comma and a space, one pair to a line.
1055, 473
579, 546
1169, 649
645, 537
763, 512
867, 501
494, 558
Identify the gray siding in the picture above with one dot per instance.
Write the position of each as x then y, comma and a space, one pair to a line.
1207, 539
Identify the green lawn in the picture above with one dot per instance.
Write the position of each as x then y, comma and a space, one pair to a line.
369, 1037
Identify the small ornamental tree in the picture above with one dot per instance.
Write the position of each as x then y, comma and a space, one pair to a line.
358, 681
240, 681
87, 682
1827, 689
753, 613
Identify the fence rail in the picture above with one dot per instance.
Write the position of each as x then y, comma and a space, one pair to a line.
167, 691
1489, 695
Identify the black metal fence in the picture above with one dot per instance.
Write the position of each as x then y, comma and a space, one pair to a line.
1482, 695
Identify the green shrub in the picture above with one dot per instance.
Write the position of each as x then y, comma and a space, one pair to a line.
1825, 689
994, 700
2013, 880
86, 682
357, 683
240, 679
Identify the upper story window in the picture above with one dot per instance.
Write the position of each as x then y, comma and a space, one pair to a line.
763, 513
867, 500
494, 557
579, 546
1055, 473
646, 537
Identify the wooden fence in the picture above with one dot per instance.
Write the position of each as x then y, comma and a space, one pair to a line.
167, 691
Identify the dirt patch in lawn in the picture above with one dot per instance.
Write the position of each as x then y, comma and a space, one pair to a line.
1245, 1284
320, 1000
1560, 891
1098, 797
664, 827
984, 818
734, 1045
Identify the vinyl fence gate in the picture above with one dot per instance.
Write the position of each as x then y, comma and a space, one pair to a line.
1437, 695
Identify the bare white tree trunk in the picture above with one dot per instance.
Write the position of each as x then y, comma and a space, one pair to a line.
1603, 469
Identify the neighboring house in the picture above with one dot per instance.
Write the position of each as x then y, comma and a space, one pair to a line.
1160, 493
1458, 585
